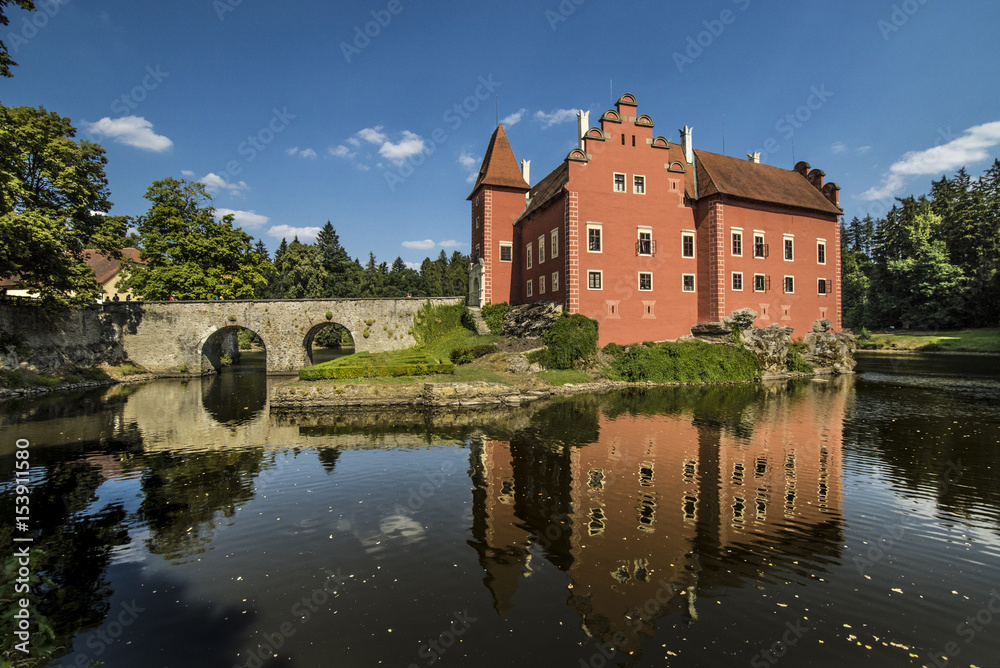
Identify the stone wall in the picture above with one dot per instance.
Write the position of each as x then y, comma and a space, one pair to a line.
31, 337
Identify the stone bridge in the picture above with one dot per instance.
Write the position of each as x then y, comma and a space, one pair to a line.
190, 336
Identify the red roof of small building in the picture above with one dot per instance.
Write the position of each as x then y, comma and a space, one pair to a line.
104, 267
499, 166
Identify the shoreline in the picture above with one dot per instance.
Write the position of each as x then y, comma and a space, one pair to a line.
918, 351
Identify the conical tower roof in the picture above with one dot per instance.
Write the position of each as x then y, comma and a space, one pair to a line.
499, 165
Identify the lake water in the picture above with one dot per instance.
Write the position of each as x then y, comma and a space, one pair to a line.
849, 521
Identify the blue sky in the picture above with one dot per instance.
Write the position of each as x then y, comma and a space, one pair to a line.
375, 115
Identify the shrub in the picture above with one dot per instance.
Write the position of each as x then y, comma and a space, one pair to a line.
323, 372
685, 362
94, 373
796, 363
432, 322
613, 349
466, 355
493, 315
571, 338
13, 379
129, 369
225, 359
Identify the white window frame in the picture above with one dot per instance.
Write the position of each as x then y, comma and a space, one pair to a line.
541, 249
827, 283
639, 284
732, 281
530, 288
694, 248
614, 183
763, 242
529, 254
821, 243
763, 283
694, 282
784, 285
733, 231
541, 284
600, 273
785, 240
645, 230
638, 187
554, 243
508, 245
555, 281
600, 231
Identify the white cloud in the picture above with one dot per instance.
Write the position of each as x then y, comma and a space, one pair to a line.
292, 151
413, 265
187, 172
450, 243
371, 135
248, 219
213, 183
341, 151
969, 148
555, 117
863, 149
469, 162
426, 244
305, 153
411, 145
514, 118
131, 130
289, 232
839, 147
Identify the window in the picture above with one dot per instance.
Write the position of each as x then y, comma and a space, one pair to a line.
554, 245
541, 284
594, 280
737, 280
644, 246
737, 242
477, 200
821, 251
759, 247
555, 281
477, 222
541, 249
759, 283
687, 244
528, 255
823, 286
593, 238
645, 281
619, 183
531, 288
506, 251
789, 247
639, 185
479, 253
687, 282
789, 284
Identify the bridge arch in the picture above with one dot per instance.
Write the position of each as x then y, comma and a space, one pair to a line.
223, 342
310, 339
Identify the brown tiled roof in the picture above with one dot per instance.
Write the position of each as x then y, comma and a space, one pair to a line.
105, 267
722, 174
499, 166
546, 190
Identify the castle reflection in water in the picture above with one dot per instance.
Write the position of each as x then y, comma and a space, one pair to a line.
647, 511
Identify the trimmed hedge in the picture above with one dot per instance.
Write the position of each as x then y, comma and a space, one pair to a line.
374, 371
572, 337
493, 315
431, 323
685, 362
466, 355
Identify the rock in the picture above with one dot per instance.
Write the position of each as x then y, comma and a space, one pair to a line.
830, 351
530, 320
770, 346
743, 318
517, 364
713, 332
822, 325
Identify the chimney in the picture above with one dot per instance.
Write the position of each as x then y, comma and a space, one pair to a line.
754, 157
583, 118
832, 192
816, 177
526, 171
686, 144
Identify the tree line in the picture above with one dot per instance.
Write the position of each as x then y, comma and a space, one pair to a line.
933, 262
54, 201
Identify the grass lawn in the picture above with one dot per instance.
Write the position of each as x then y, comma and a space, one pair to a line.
963, 340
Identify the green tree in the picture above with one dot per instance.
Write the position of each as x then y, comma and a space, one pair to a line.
190, 254
53, 192
342, 277
6, 62
299, 272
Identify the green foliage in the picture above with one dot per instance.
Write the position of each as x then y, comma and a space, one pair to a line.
432, 322
564, 377
613, 349
183, 368
248, 339
333, 336
329, 315
130, 369
685, 362
13, 379
225, 359
52, 192
416, 361
94, 374
493, 315
572, 338
466, 355
6, 62
190, 254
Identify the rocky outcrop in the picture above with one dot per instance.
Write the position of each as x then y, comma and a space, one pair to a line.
724, 332
770, 346
830, 351
530, 320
